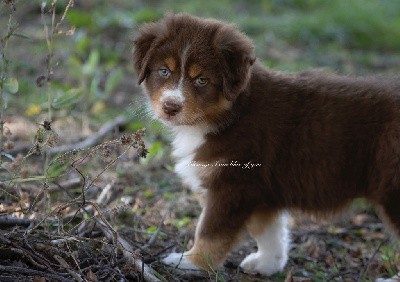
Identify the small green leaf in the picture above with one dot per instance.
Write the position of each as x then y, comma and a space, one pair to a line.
11, 85
91, 65
182, 222
56, 169
80, 18
152, 229
148, 194
113, 80
67, 99
21, 35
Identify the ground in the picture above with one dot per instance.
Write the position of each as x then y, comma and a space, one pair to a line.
64, 211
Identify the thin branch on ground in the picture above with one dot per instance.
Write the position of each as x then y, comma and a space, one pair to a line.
128, 252
364, 270
92, 140
7, 220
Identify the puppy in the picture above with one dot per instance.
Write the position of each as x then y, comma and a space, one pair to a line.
260, 143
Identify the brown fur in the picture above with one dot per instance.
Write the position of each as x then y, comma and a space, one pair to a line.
322, 140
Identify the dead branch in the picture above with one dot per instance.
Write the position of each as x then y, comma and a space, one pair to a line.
64, 264
63, 240
128, 252
24, 271
154, 236
88, 142
105, 195
65, 185
12, 221
93, 139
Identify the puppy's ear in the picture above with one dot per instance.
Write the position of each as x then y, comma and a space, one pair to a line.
143, 47
236, 56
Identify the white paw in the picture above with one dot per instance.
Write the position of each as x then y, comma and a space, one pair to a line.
179, 260
259, 263
396, 278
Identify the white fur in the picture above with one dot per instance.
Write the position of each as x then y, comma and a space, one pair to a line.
187, 140
273, 247
396, 278
179, 260
174, 94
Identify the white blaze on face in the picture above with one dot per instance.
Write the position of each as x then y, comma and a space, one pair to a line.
175, 94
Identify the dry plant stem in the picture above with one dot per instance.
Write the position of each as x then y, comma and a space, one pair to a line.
49, 40
4, 70
50, 44
50, 47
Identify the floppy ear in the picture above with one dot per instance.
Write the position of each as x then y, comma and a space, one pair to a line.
143, 47
236, 56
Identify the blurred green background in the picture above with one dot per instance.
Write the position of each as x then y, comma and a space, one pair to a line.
92, 67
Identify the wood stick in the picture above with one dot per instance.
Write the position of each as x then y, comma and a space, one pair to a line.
20, 270
94, 139
11, 221
128, 252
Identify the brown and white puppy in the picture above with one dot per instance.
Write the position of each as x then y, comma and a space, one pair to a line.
261, 143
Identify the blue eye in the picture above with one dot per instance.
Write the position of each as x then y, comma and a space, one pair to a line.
164, 72
201, 81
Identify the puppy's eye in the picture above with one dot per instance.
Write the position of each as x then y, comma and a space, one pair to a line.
164, 72
201, 81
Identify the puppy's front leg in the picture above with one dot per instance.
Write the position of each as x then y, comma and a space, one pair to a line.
220, 225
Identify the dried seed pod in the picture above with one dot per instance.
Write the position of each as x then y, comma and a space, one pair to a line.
40, 81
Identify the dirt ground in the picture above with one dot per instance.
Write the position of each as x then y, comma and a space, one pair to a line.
58, 237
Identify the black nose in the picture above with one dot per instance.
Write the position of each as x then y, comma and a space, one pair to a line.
171, 108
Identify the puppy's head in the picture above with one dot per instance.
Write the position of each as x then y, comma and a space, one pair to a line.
192, 68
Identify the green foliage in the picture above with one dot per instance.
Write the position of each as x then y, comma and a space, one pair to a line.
11, 85
355, 23
182, 222
66, 99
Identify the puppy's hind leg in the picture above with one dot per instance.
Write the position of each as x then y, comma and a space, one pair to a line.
389, 212
272, 236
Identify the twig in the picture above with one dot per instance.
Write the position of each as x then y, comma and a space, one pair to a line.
93, 139
63, 240
12, 221
362, 273
64, 264
104, 195
23, 253
127, 251
20, 270
154, 236
11, 27
66, 185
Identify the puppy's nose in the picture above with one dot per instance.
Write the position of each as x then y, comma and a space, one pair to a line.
171, 108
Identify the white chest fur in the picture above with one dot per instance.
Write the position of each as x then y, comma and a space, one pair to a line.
187, 140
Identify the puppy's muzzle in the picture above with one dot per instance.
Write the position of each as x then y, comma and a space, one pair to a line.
172, 108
